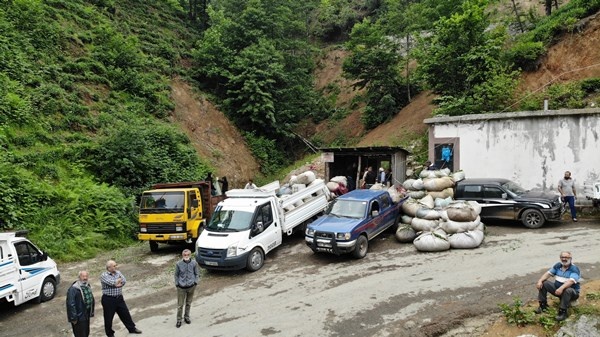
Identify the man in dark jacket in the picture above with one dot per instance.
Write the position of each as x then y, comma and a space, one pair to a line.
187, 274
80, 305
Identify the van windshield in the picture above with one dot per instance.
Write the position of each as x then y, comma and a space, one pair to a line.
347, 208
229, 220
162, 202
513, 187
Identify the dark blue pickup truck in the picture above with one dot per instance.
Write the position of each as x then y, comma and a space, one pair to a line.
351, 221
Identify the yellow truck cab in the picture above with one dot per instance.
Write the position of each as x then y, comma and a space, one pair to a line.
175, 212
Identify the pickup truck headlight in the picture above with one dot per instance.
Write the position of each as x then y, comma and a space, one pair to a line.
343, 236
310, 232
232, 250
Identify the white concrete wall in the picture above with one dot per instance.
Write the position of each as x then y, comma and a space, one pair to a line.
532, 148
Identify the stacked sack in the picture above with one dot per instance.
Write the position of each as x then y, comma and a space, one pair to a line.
462, 222
432, 220
338, 185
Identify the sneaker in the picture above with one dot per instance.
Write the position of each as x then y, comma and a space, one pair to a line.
178, 325
575, 219
542, 308
562, 315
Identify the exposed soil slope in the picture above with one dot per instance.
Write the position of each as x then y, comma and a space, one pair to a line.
214, 137
575, 57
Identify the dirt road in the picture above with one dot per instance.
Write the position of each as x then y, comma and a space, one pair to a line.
394, 291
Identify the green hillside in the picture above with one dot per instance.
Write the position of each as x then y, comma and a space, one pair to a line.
85, 89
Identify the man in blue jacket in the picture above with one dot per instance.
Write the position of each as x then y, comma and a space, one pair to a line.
187, 274
565, 286
80, 305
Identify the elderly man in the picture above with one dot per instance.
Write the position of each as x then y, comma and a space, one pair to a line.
565, 286
186, 275
80, 305
112, 282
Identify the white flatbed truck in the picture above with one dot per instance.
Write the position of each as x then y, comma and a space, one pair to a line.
251, 222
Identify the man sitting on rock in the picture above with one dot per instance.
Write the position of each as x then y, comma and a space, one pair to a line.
565, 286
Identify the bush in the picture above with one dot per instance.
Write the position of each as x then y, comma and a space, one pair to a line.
515, 314
134, 157
524, 54
265, 150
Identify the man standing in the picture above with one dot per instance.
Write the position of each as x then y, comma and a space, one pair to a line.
565, 286
381, 176
112, 299
369, 177
186, 279
250, 185
80, 305
566, 187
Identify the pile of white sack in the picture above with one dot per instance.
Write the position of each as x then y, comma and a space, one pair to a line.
432, 220
338, 185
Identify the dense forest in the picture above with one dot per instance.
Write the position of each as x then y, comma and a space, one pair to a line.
85, 88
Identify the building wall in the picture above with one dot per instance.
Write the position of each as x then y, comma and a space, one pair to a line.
531, 148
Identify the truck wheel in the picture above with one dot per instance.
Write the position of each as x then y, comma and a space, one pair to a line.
532, 218
153, 246
256, 259
362, 245
47, 291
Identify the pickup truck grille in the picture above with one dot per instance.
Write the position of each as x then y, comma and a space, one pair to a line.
324, 235
212, 253
162, 228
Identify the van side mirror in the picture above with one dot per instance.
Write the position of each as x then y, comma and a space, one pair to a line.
257, 228
195, 203
504, 196
374, 213
44, 256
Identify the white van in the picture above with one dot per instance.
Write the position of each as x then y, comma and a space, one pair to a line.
26, 273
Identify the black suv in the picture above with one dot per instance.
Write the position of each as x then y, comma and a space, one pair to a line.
504, 199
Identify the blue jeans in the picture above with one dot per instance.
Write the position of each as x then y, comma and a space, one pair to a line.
571, 201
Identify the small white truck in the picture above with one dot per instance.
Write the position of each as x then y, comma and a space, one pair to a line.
251, 222
26, 273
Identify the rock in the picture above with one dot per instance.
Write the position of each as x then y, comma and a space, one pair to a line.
585, 326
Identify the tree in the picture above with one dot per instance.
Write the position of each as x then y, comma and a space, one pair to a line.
462, 61
374, 64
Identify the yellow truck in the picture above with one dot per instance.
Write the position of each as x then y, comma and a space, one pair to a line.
175, 212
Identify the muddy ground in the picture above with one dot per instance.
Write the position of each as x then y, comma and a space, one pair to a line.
394, 291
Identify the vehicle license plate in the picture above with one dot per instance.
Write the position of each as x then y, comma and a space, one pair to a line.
212, 263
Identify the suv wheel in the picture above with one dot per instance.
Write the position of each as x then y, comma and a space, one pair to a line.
532, 218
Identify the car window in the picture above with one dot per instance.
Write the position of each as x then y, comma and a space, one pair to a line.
26, 253
492, 192
472, 191
385, 201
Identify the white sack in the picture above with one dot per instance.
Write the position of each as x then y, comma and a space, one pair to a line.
427, 201
422, 225
416, 194
394, 194
408, 183
429, 214
441, 203
446, 193
406, 219
431, 242
418, 185
405, 234
306, 177
410, 207
466, 240
452, 227
438, 184
340, 180
332, 186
